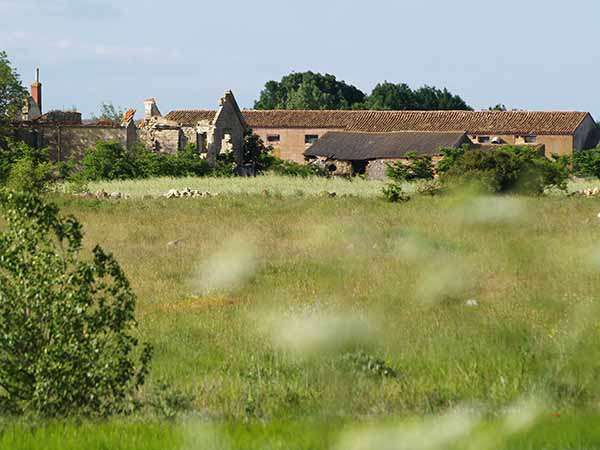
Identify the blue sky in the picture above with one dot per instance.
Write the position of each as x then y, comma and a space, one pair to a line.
526, 54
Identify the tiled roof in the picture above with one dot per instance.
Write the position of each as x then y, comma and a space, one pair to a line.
128, 115
473, 122
191, 117
356, 146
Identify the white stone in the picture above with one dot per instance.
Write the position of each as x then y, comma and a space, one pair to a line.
472, 303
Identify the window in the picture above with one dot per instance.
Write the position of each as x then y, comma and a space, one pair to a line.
311, 138
483, 139
273, 138
530, 139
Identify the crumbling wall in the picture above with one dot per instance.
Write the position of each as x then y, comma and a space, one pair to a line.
69, 141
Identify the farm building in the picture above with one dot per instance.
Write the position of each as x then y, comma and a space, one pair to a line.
351, 153
292, 132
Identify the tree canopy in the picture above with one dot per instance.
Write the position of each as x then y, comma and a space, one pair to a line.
12, 93
311, 90
400, 97
110, 112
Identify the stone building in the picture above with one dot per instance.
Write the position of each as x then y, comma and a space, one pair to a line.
353, 153
63, 132
212, 132
291, 132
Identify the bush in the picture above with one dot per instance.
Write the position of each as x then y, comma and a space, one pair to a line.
66, 324
506, 169
294, 169
186, 162
586, 163
25, 168
415, 168
394, 193
108, 161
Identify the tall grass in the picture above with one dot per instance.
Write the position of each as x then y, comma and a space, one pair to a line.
280, 309
276, 185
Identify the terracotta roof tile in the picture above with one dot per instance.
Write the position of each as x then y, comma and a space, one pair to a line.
191, 117
473, 122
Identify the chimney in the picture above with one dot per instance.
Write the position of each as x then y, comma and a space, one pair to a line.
150, 109
36, 90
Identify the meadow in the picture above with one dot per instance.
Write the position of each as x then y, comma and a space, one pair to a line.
299, 321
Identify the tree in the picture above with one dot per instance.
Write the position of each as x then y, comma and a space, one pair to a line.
67, 344
498, 107
309, 90
12, 95
400, 97
110, 113
394, 97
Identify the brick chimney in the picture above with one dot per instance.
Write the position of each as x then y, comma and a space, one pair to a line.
36, 90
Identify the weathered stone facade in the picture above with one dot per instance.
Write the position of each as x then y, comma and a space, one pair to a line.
224, 132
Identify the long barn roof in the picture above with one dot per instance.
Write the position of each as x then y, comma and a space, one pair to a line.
473, 122
357, 146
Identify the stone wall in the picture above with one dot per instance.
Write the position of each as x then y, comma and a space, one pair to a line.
67, 141
376, 169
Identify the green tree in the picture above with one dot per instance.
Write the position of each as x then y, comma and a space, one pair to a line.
309, 90
67, 326
12, 95
390, 96
400, 97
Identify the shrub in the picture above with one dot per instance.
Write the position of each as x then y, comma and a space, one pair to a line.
168, 401
394, 193
108, 161
586, 163
27, 175
294, 169
66, 324
506, 169
429, 187
415, 168
186, 162
25, 168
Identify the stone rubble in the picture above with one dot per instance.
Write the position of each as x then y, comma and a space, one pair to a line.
186, 193
595, 192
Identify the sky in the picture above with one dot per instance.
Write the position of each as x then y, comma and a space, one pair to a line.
526, 54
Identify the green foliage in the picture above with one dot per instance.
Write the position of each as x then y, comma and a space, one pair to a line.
27, 175
110, 113
257, 153
365, 364
398, 97
66, 324
25, 168
394, 193
309, 90
12, 94
291, 168
108, 161
429, 187
111, 161
586, 163
508, 168
415, 168
186, 162
168, 401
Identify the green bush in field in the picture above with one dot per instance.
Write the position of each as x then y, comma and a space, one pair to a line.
586, 163
25, 168
108, 161
394, 193
186, 162
506, 169
416, 168
67, 344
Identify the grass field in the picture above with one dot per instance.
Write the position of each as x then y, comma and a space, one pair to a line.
286, 317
